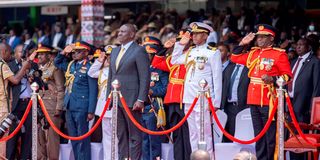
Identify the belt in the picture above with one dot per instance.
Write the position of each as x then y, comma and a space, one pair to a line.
256, 80
176, 81
24, 99
234, 103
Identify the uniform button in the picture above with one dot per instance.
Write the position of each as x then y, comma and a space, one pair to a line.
82, 96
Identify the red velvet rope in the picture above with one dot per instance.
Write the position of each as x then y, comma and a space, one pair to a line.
296, 124
23, 119
79, 137
232, 138
138, 125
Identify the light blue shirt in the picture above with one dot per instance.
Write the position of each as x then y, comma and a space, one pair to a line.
234, 94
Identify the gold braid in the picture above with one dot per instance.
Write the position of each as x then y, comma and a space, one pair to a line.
69, 77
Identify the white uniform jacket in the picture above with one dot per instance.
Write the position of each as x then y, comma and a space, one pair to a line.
212, 71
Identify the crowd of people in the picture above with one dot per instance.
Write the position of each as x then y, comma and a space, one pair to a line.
159, 60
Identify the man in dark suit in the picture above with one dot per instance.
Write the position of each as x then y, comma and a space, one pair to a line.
234, 93
58, 39
305, 83
130, 65
81, 95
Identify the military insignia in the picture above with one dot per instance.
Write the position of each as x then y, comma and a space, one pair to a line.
82, 71
154, 76
39, 45
268, 67
77, 43
268, 63
194, 27
211, 48
261, 28
201, 61
152, 83
108, 50
146, 39
261, 66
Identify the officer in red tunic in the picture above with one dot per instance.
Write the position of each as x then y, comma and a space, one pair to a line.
173, 99
265, 64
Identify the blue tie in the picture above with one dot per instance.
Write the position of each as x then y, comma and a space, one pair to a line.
233, 77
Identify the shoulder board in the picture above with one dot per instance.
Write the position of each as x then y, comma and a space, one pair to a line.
193, 46
211, 48
279, 49
255, 48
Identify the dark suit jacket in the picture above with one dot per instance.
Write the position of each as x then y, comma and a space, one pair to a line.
61, 43
306, 87
14, 89
133, 73
242, 87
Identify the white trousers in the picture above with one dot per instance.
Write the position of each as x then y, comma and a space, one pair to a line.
107, 138
194, 129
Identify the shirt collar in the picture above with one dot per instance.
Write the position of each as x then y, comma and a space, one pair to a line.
127, 45
225, 64
305, 56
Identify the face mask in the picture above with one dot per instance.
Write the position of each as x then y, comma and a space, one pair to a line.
311, 27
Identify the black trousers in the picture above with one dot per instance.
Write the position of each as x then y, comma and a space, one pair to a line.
26, 140
129, 136
265, 147
231, 109
182, 147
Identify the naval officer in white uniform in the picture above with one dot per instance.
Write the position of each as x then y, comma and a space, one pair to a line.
211, 71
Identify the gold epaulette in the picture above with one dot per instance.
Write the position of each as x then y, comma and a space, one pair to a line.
211, 48
279, 49
168, 61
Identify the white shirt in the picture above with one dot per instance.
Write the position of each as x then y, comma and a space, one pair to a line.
94, 72
212, 72
234, 93
126, 46
304, 57
56, 39
11, 40
69, 39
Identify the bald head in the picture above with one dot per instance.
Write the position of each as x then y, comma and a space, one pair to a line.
5, 51
126, 33
200, 155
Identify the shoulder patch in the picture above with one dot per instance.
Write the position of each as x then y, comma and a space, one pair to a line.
279, 49
211, 48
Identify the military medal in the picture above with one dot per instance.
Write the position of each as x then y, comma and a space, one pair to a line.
201, 61
261, 66
268, 67
152, 83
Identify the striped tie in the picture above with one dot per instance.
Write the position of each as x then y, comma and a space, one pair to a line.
120, 55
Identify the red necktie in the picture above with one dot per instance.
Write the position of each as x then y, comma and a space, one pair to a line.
294, 73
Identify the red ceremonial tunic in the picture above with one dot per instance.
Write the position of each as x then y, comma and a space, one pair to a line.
269, 61
176, 78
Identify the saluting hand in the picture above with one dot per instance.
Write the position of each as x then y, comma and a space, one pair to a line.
102, 57
247, 39
33, 56
68, 49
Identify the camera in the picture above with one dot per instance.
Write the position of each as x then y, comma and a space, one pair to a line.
7, 123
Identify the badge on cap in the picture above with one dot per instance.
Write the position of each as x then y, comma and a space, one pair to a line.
261, 28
